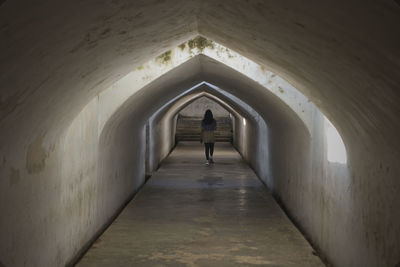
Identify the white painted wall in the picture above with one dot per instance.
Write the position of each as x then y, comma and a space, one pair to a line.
68, 165
199, 107
105, 146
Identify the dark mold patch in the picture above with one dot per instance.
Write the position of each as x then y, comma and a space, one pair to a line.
164, 58
138, 15
36, 156
86, 43
200, 43
300, 25
105, 31
8, 105
91, 39
182, 46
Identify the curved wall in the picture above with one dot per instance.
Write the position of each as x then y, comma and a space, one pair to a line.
57, 57
163, 123
197, 109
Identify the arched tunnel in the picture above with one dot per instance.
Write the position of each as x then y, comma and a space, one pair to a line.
90, 92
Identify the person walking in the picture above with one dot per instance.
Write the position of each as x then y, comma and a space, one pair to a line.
208, 125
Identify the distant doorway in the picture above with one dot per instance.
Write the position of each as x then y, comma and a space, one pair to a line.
189, 121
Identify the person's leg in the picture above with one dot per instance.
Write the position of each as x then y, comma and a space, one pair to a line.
211, 152
207, 150
211, 149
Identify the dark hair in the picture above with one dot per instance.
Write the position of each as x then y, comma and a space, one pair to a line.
208, 117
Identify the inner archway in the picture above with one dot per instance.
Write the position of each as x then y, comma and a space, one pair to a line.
58, 118
189, 121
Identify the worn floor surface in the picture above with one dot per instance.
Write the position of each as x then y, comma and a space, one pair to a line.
189, 214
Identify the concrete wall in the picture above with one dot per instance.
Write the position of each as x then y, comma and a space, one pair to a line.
163, 122
58, 57
198, 107
287, 175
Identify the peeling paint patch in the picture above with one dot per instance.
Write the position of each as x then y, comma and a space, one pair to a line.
14, 176
36, 156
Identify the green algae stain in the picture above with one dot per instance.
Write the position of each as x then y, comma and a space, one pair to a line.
182, 46
164, 58
200, 43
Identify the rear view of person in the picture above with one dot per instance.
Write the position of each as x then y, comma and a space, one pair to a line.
208, 125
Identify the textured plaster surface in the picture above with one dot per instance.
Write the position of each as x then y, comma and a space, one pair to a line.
197, 108
56, 58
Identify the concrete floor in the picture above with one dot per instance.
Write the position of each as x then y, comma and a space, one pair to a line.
189, 214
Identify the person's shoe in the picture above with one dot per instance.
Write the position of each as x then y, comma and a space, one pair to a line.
211, 160
207, 162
